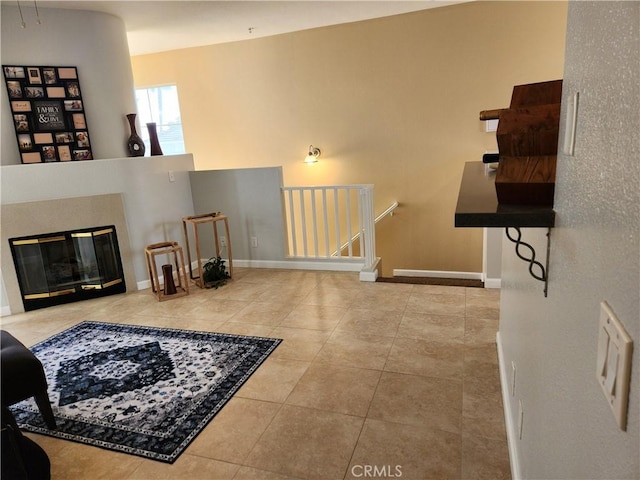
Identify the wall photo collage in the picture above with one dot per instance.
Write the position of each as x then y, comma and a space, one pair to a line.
48, 113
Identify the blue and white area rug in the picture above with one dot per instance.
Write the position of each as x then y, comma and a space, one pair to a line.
140, 390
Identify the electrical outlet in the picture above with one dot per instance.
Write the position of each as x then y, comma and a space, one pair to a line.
613, 368
172, 177
223, 241
254, 242
513, 379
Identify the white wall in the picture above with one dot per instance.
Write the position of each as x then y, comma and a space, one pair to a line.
94, 42
568, 428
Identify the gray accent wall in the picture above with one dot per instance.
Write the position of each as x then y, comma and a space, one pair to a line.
252, 200
568, 429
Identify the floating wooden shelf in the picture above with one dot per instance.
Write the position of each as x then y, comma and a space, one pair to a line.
478, 203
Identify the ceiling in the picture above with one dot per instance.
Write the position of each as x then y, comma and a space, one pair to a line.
155, 26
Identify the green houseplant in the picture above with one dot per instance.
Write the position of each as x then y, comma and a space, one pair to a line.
214, 273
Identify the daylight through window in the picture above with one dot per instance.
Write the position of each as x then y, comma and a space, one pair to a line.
160, 105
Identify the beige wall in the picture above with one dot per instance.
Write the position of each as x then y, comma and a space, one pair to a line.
392, 101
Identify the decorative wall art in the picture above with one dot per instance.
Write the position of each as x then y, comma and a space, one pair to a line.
48, 113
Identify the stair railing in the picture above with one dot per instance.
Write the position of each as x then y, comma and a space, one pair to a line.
323, 220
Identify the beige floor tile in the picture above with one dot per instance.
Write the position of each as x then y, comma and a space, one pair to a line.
481, 360
440, 328
284, 423
416, 400
341, 280
391, 450
274, 380
307, 443
216, 309
79, 462
482, 306
480, 331
370, 322
263, 313
423, 357
436, 303
241, 291
358, 351
250, 473
336, 389
488, 293
482, 409
245, 329
186, 467
299, 343
381, 300
315, 317
292, 294
331, 296
485, 458
234, 430
438, 289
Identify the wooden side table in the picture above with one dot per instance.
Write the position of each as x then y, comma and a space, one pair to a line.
197, 220
174, 250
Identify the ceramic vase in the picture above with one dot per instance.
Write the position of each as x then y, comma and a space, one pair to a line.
135, 145
153, 139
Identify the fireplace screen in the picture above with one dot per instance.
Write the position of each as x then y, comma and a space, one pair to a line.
68, 266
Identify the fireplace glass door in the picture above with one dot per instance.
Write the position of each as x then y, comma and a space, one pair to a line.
68, 266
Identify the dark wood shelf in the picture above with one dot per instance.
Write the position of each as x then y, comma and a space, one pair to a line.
478, 204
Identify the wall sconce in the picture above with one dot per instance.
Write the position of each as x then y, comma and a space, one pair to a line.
312, 156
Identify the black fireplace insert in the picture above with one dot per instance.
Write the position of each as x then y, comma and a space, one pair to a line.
64, 267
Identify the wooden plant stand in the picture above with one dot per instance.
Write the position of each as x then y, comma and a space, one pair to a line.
195, 221
164, 291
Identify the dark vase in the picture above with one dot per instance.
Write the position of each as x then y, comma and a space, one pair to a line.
135, 145
169, 284
153, 139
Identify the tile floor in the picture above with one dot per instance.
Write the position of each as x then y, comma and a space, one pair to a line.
372, 380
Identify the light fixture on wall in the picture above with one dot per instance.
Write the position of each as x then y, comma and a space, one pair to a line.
312, 156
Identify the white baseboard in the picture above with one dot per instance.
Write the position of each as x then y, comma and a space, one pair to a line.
143, 285
492, 282
512, 435
370, 274
437, 274
301, 265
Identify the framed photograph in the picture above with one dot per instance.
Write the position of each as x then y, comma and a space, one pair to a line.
48, 113
64, 153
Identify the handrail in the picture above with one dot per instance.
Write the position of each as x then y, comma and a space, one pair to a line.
389, 211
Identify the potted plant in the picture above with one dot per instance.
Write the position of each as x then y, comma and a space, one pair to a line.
214, 273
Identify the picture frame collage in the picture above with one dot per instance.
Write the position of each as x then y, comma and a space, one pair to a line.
48, 113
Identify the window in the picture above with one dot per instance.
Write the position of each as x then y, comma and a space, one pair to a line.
160, 105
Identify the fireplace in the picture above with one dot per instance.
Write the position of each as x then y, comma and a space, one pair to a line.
64, 267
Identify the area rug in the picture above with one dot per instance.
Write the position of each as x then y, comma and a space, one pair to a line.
140, 390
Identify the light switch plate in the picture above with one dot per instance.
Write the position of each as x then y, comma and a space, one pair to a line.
613, 369
571, 121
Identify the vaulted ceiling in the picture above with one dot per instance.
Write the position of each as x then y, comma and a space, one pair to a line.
155, 26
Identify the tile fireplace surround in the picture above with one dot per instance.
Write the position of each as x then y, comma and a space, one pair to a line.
34, 218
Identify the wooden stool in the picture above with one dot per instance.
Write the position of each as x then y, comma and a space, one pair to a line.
164, 291
195, 221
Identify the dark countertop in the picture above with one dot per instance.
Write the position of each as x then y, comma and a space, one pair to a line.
478, 204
